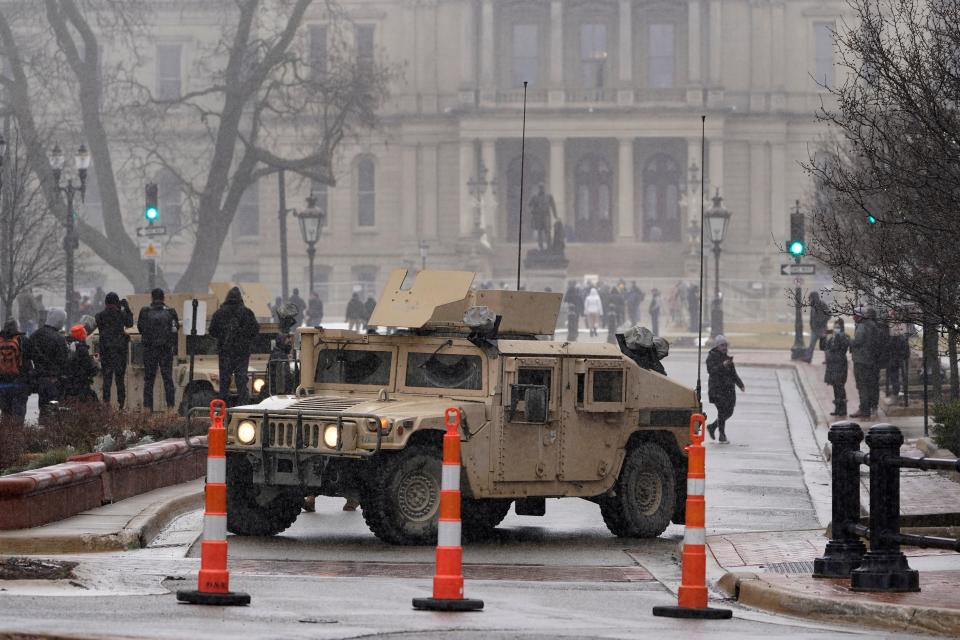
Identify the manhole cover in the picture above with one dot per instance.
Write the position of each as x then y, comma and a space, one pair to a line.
803, 567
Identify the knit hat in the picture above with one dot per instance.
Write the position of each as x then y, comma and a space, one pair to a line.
719, 340
56, 317
112, 298
78, 333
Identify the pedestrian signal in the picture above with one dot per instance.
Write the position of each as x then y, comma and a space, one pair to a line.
151, 210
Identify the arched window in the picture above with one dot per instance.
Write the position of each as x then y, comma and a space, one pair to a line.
661, 199
533, 176
594, 189
366, 192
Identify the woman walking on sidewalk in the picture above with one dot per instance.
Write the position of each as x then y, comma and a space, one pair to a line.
836, 346
722, 382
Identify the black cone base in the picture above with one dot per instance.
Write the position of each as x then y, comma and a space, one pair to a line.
437, 604
696, 614
229, 599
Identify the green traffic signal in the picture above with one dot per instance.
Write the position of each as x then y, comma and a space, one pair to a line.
152, 214
871, 219
151, 208
796, 248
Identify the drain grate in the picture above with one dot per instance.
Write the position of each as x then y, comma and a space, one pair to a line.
804, 567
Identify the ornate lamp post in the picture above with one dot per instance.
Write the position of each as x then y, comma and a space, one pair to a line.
70, 190
718, 218
477, 186
312, 219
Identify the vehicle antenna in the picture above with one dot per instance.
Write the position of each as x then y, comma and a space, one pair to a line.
523, 142
703, 128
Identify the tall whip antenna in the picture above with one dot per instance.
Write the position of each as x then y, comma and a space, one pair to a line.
523, 149
703, 152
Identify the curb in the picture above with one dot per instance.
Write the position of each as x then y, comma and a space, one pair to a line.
751, 590
137, 533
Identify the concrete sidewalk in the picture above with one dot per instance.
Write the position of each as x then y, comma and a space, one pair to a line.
126, 524
772, 570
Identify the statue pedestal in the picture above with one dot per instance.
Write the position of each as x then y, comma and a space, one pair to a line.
545, 259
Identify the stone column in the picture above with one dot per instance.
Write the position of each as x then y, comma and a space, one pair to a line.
467, 46
625, 212
487, 45
466, 201
715, 157
428, 191
759, 207
778, 97
558, 176
491, 207
408, 191
694, 43
716, 42
778, 188
625, 60
556, 43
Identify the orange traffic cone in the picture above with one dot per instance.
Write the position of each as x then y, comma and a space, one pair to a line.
448, 581
214, 580
692, 596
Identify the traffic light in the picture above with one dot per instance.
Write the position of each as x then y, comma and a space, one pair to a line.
151, 210
871, 219
797, 245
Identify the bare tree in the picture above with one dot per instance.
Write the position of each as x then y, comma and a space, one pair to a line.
262, 104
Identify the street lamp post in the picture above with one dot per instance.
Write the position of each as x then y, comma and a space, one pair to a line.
70, 190
312, 220
424, 251
718, 219
477, 187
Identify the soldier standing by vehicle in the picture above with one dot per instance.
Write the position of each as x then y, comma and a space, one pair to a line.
112, 348
14, 369
234, 326
836, 345
722, 382
158, 325
47, 349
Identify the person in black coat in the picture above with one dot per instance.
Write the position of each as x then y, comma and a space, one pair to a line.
723, 382
80, 370
159, 326
835, 346
234, 326
14, 374
47, 349
112, 323
819, 319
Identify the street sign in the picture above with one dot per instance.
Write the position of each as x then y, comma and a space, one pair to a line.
791, 269
151, 232
151, 250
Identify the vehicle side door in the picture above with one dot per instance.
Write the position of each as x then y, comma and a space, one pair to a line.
528, 451
593, 418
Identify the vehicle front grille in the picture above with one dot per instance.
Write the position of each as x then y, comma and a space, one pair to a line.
283, 433
326, 403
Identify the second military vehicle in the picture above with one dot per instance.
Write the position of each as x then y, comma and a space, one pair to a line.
541, 419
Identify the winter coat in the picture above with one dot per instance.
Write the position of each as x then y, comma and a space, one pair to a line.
355, 310
865, 343
722, 379
10, 331
47, 349
300, 304
315, 312
819, 316
111, 323
79, 371
655, 304
158, 325
835, 347
234, 326
368, 308
572, 297
593, 303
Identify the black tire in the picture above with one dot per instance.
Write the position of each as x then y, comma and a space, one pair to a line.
645, 494
402, 505
481, 517
201, 397
245, 515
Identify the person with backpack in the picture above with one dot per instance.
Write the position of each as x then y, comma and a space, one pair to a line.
14, 370
47, 350
234, 326
114, 342
80, 369
158, 325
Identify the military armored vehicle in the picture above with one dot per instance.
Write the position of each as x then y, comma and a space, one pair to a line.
540, 419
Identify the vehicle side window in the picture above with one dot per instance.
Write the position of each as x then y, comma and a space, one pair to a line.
581, 388
608, 385
536, 377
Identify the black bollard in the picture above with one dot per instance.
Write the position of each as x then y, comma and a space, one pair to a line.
845, 550
884, 567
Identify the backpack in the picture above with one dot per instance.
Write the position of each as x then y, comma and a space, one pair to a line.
157, 326
11, 357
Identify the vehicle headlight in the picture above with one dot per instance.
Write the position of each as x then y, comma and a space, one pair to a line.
246, 432
330, 436
259, 384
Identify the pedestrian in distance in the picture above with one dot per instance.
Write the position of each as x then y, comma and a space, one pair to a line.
47, 350
14, 374
593, 308
693, 308
574, 308
656, 304
835, 346
28, 312
114, 344
633, 298
314, 310
866, 372
899, 354
300, 304
723, 381
819, 318
81, 369
159, 327
368, 307
355, 312
234, 326
616, 305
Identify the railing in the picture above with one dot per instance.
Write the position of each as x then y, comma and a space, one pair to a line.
884, 567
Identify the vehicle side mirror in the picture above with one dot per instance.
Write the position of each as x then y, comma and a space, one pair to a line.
535, 404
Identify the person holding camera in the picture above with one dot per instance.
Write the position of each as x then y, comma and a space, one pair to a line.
112, 322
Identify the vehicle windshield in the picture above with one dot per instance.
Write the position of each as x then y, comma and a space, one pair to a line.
354, 366
444, 371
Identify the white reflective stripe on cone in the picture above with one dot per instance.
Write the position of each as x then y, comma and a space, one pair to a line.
448, 533
694, 535
450, 480
696, 486
216, 470
214, 527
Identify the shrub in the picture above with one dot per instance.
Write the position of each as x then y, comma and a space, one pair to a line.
946, 427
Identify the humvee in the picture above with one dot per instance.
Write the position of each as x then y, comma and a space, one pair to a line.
206, 381
540, 419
